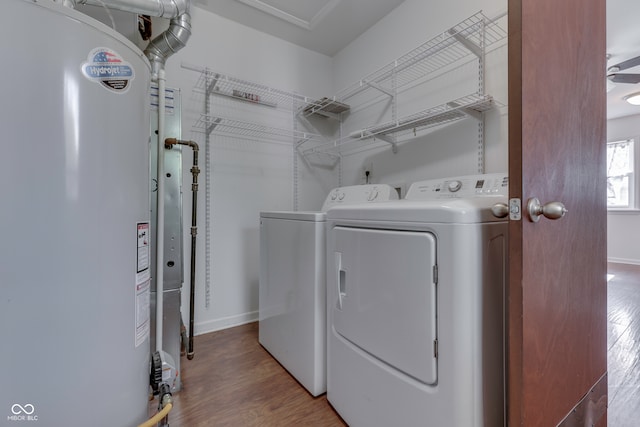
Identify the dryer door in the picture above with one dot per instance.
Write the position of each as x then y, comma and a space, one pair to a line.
386, 297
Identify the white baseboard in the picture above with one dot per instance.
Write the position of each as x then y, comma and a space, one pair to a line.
224, 323
624, 261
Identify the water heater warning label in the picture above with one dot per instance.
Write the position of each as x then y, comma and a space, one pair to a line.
143, 247
143, 283
108, 68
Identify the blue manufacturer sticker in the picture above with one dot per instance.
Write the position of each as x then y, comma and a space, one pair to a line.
106, 67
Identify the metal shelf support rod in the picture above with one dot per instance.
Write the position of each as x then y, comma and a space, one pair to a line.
466, 110
211, 84
366, 134
212, 126
379, 87
471, 46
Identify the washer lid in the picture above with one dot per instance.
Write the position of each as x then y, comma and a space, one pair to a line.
357, 194
297, 216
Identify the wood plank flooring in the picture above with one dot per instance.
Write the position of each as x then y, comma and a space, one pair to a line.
234, 382
624, 345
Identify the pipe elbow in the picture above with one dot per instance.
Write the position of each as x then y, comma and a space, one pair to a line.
169, 42
172, 8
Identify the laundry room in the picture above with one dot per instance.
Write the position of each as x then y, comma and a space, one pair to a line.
256, 174
384, 128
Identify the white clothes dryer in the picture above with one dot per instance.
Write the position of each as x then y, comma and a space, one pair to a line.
415, 306
292, 289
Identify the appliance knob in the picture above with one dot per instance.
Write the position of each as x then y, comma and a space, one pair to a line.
454, 186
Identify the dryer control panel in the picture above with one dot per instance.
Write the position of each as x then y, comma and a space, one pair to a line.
469, 186
359, 194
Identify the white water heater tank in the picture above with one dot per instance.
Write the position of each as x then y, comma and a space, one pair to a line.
74, 220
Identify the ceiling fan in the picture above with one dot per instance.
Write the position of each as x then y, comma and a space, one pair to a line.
614, 76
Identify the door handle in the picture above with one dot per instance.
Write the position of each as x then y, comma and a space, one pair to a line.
551, 210
500, 210
340, 279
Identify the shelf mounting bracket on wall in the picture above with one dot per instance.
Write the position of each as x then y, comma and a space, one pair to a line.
212, 84
379, 87
364, 134
466, 110
212, 125
303, 139
473, 48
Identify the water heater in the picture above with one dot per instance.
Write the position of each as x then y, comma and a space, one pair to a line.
74, 220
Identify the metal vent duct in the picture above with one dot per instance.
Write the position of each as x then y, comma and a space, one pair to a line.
159, 8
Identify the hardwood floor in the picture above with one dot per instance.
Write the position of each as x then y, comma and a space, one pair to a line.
624, 345
233, 381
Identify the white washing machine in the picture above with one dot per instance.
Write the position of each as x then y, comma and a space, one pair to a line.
415, 306
292, 309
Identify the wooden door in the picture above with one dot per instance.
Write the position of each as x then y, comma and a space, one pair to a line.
557, 330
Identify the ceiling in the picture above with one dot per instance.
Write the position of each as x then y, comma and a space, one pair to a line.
324, 26
327, 26
623, 42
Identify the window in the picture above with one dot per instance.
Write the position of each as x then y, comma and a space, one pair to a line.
621, 174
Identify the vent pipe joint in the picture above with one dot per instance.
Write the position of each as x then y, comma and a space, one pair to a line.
169, 42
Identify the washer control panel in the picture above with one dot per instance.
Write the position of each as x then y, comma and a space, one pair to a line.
454, 185
359, 194
495, 184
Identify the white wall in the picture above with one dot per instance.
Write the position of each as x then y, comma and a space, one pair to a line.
248, 176
623, 228
446, 152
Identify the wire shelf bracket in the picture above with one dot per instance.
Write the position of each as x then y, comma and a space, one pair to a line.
469, 37
472, 106
467, 40
232, 127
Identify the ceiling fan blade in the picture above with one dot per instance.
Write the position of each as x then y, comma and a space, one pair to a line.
624, 78
629, 63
